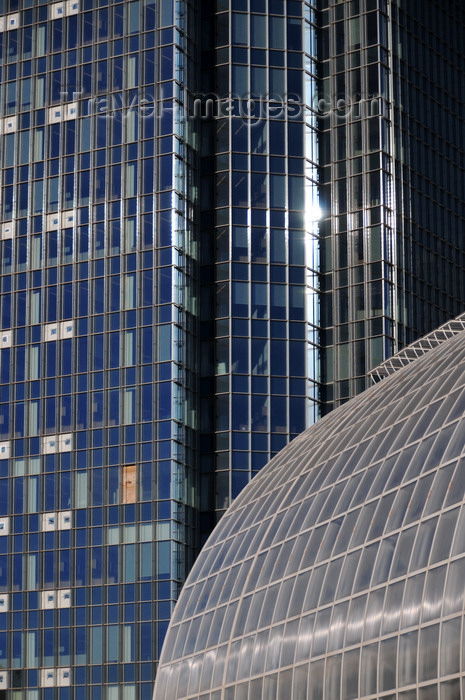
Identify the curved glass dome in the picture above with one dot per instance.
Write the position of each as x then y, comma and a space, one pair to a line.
339, 572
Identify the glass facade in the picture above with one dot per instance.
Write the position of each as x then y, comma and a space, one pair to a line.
99, 314
259, 212
392, 153
338, 572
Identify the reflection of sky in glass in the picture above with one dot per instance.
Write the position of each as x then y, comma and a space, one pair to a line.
333, 572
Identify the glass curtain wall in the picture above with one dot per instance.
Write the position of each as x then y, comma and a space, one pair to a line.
390, 142
262, 378
99, 306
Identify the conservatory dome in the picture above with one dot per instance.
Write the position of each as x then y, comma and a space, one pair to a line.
339, 571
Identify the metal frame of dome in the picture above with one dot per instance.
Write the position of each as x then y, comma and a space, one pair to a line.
418, 348
339, 570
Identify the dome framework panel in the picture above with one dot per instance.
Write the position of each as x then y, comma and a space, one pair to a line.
339, 571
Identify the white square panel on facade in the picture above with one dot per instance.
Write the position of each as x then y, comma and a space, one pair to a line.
72, 7
4, 526
4, 607
49, 522
64, 520
49, 444
64, 599
3, 679
51, 331
7, 230
5, 450
47, 677
10, 124
48, 599
55, 114
12, 21
71, 111
9, 22
5, 339
65, 442
57, 10
53, 222
67, 218
63, 676
66, 329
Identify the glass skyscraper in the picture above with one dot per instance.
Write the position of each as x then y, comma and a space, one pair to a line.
392, 179
184, 288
